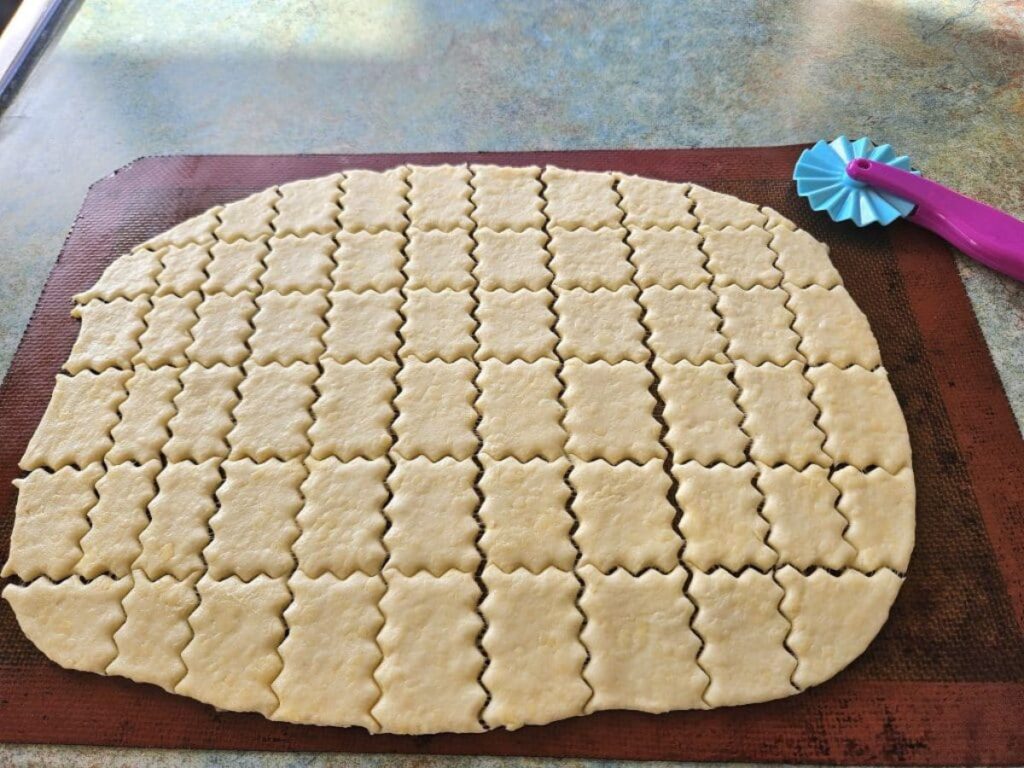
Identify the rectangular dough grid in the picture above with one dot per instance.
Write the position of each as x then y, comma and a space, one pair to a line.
385, 357
581, 375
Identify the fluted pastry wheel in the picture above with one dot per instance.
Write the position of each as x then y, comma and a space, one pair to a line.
464, 447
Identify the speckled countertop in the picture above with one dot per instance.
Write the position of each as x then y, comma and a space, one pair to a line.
942, 80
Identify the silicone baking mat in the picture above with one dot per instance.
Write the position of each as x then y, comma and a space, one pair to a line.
943, 682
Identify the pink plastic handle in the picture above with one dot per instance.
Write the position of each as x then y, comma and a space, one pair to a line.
994, 238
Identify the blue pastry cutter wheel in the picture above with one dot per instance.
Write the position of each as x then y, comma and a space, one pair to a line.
866, 183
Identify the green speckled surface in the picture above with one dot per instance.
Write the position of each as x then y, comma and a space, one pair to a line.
941, 80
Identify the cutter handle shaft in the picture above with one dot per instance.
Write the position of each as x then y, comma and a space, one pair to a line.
994, 238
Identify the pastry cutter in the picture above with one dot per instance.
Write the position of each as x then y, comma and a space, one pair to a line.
865, 183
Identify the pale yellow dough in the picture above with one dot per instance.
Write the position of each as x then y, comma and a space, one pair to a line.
515, 325
341, 521
600, 325
625, 517
235, 266
298, 263
184, 269
526, 523
668, 258
155, 630
741, 257
116, 519
309, 206
533, 643
328, 658
461, 447
643, 650
512, 260
428, 677
590, 260
168, 330
109, 336
232, 658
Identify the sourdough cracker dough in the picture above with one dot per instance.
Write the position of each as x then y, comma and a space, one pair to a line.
456, 448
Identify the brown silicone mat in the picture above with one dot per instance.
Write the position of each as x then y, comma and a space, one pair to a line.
943, 682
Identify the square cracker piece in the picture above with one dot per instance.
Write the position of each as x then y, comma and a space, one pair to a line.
512, 260
235, 267
435, 410
701, 412
521, 415
683, 324
75, 429
248, 218
803, 260
720, 521
741, 257
428, 678
780, 417
438, 325
668, 258
331, 647
744, 637
526, 524
155, 630
625, 518
439, 197
288, 327
309, 206
515, 325
861, 417
342, 519
610, 412
353, 413
578, 199
203, 419
654, 203
178, 531
880, 507
50, 520
221, 334
168, 330
184, 269
375, 202
652, 666
272, 419
142, 430
600, 325
232, 658
432, 524
532, 641
588, 259
109, 336
120, 514
369, 262
717, 211
507, 198
255, 526
758, 324
299, 263
362, 326
439, 260
800, 506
